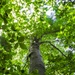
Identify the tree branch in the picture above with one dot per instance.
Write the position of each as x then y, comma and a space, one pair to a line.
52, 31
53, 47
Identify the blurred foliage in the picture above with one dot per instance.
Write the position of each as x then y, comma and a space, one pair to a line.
22, 19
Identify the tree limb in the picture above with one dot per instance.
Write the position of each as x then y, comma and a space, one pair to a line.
53, 47
52, 32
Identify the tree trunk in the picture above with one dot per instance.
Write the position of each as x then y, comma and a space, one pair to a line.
36, 62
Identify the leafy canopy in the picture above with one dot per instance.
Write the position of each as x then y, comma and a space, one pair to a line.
21, 20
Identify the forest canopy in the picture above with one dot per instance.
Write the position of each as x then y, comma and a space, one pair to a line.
37, 37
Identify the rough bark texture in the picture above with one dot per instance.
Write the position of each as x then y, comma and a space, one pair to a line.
36, 62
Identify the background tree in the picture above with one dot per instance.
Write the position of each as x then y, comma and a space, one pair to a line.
40, 31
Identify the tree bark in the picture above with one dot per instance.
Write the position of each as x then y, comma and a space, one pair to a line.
36, 62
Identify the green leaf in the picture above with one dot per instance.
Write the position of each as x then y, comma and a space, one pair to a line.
21, 38
22, 45
16, 46
2, 11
